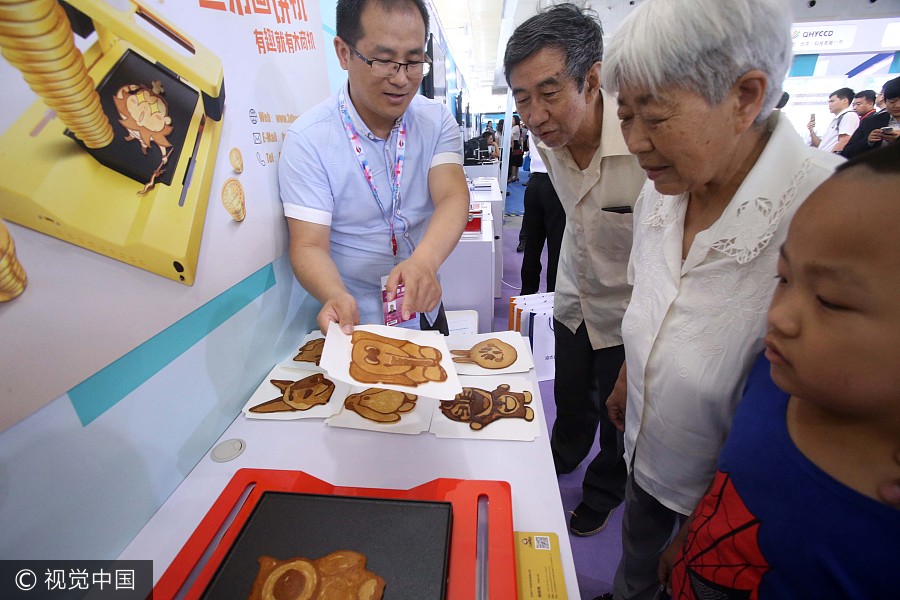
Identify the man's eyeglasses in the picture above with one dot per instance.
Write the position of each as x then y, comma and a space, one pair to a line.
389, 68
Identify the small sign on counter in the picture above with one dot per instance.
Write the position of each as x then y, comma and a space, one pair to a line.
539, 567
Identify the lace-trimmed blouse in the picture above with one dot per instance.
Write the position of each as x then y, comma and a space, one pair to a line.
693, 327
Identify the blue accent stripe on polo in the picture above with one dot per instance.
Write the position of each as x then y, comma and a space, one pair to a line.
868, 63
804, 65
102, 390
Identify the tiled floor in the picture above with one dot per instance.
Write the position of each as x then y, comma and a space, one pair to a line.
595, 557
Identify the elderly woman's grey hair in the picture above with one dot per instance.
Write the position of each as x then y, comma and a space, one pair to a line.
701, 45
575, 31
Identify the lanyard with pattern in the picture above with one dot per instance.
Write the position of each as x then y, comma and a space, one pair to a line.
367, 172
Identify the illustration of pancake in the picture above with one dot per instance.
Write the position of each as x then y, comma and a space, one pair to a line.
341, 575
380, 405
489, 354
378, 359
311, 351
302, 394
479, 408
237, 160
12, 275
233, 199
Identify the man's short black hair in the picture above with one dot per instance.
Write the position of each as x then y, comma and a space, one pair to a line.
843, 93
574, 30
891, 89
348, 14
869, 95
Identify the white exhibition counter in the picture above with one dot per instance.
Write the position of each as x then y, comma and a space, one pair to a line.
357, 458
470, 277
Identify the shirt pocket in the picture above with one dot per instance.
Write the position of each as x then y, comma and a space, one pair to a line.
614, 234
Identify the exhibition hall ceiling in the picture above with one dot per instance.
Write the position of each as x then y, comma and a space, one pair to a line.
477, 30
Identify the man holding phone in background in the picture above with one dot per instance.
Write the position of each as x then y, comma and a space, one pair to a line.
841, 127
881, 128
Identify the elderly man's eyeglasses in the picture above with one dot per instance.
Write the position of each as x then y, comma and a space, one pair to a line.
389, 68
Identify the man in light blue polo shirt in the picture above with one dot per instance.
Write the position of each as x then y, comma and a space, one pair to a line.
371, 179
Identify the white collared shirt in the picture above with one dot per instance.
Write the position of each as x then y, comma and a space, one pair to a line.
591, 281
844, 124
694, 327
320, 181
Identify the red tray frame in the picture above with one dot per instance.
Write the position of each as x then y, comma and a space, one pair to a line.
461, 493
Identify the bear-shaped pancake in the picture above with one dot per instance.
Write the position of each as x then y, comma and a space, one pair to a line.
378, 359
479, 408
341, 575
380, 405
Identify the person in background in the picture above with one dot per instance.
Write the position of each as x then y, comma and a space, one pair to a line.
371, 179
493, 147
553, 67
864, 104
783, 101
880, 106
818, 430
841, 127
879, 129
697, 81
490, 126
544, 220
516, 150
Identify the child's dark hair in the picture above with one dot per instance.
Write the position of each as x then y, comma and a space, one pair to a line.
885, 161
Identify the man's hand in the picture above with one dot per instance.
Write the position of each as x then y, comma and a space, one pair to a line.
341, 310
876, 136
422, 291
618, 399
669, 555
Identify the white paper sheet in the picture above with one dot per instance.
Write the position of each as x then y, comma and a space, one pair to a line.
305, 365
460, 343
268, 391
336, 358
415, 421
515, 428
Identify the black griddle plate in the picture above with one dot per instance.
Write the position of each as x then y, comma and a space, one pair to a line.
127, 157
406, 542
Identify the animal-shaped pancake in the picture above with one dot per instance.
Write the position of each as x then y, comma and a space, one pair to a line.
341, 575
489, 354
383, 406
378, 359
479, 408
311, 351
298, 395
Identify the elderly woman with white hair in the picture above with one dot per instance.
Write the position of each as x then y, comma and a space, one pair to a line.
697, 81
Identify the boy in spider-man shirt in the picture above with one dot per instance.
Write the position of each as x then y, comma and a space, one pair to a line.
802, 504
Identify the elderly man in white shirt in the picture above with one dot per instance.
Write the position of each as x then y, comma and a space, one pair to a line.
552, 65
697, 83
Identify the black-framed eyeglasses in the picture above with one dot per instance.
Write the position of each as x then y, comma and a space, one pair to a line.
389, 68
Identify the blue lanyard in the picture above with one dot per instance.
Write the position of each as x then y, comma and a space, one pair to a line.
355, 142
